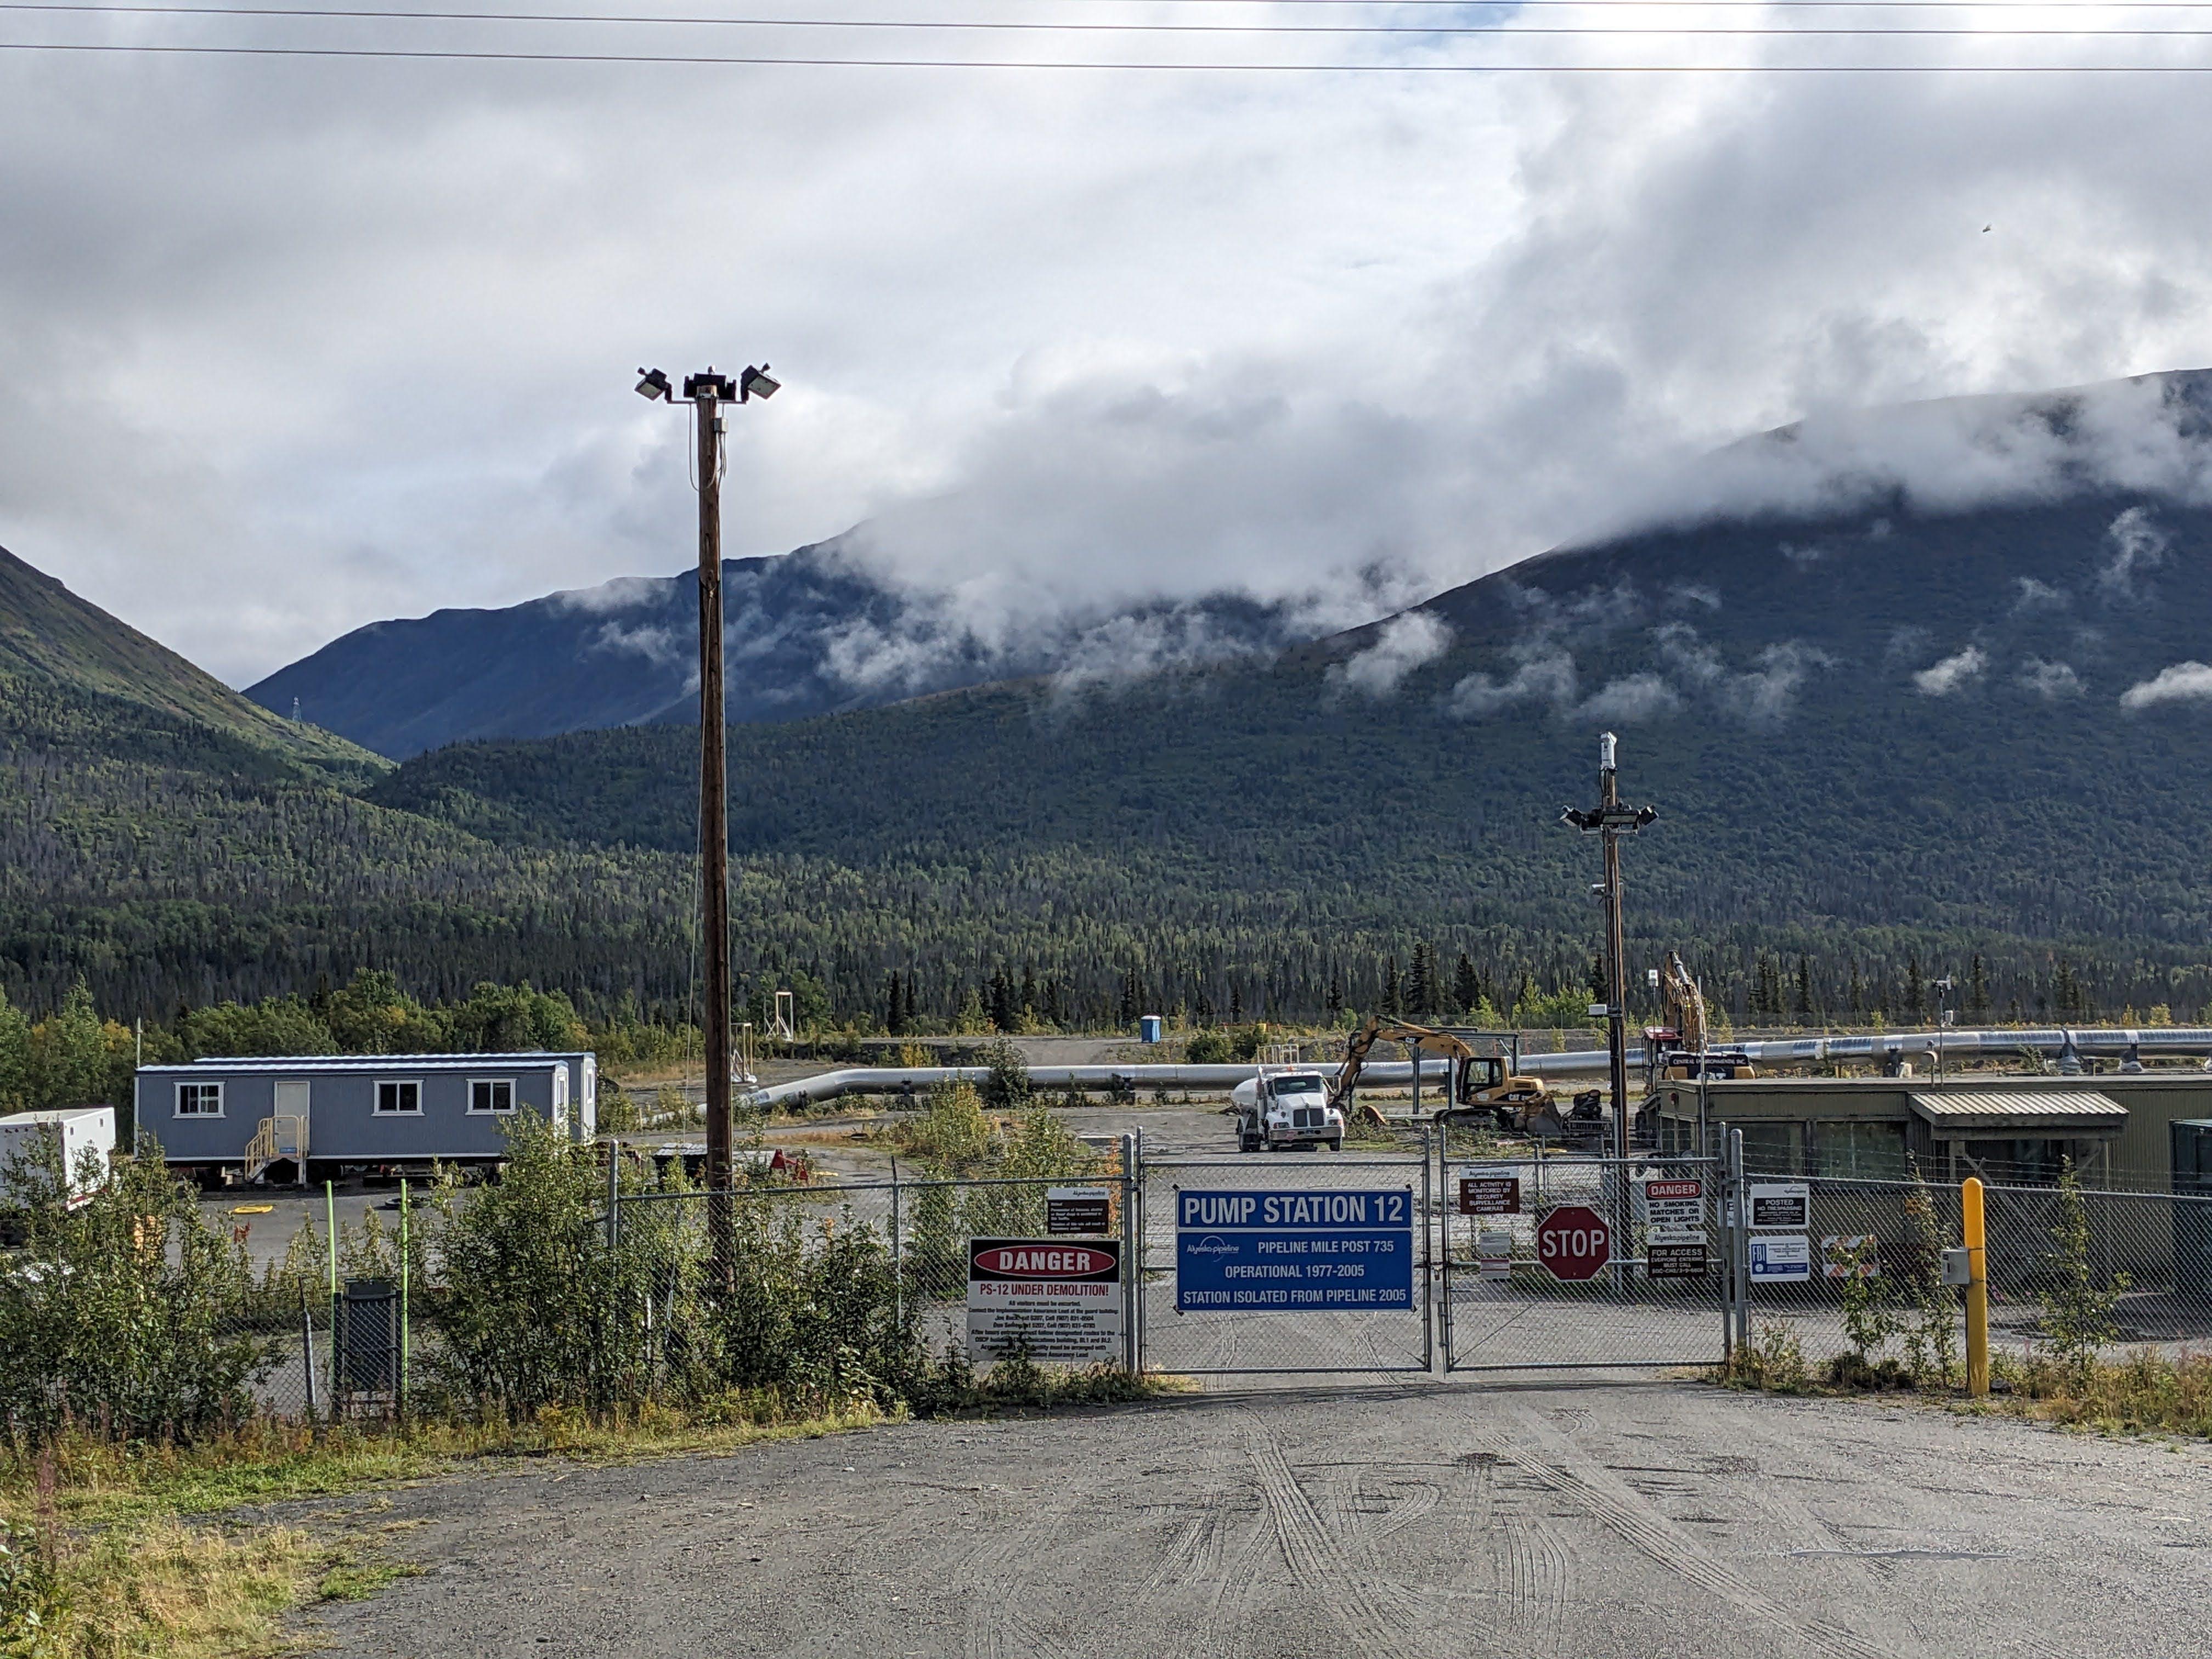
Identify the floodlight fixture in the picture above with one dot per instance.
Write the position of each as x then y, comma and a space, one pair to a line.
652, 384
757, 382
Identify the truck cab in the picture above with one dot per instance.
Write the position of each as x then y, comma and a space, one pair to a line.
1279, 1110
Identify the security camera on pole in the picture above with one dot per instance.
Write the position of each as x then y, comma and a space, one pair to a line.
706, 392
1609, 821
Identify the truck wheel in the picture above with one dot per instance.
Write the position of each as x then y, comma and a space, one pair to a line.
1336, 1146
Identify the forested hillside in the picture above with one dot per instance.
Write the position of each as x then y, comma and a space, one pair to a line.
1886, 741
68, 668
1884, 745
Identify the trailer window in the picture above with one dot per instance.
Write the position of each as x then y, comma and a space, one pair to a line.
491, 1094
398, 1098
199, 1100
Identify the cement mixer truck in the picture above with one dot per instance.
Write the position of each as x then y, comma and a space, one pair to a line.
1285, 1110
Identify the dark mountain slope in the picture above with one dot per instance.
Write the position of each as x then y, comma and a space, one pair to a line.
67, 666
1978, 729
809, 633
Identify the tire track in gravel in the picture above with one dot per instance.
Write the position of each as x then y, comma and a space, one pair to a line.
1636, 1523
1206, 1570
999, 1625
1529, 1563
1378, 1614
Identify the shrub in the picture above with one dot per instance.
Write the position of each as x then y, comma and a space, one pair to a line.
128, 1312
1870, 1320
535, 1307
951, 1136
1230, 1045
2079, 1315
1775, 1362
1930, 1328
1006, 1086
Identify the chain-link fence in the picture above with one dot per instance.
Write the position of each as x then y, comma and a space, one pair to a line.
2071, 1270
1312, 1265
1568, 1261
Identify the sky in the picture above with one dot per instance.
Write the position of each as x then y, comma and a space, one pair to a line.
290, 345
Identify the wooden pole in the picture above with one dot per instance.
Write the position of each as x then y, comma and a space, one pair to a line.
1616, 1036
713, 822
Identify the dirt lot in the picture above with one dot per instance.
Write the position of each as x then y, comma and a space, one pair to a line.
1616, 1521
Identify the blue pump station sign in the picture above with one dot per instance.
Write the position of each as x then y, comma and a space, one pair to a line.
1294, 1251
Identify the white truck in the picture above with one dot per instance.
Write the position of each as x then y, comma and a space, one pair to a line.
33, 1138
1278, 1110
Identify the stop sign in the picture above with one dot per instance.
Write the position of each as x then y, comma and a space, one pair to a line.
1574, 1241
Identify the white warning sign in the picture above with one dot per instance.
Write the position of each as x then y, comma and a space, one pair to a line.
1058, 1300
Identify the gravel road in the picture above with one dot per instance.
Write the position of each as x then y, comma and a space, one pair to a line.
1616, 1522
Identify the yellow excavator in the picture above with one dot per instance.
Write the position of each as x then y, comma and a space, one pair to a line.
1478, 1083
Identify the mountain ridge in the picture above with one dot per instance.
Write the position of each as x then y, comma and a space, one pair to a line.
82, 657
805, 633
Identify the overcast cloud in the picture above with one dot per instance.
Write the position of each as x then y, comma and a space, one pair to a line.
291, 346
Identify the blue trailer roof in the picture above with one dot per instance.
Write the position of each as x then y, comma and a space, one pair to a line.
297, 1064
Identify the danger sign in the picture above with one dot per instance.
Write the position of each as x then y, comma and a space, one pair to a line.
1060, 1303
1674, 1208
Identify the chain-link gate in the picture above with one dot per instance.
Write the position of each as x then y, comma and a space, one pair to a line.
1574, 1263
1307, 1265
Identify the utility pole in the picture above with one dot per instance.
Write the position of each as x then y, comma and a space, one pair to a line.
707, 392
1609, 821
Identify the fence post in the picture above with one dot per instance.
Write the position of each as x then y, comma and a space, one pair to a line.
1974, 1225
405, 1329
1132, 1270
1739, 1231
331, 1221
307, 1358
898, 1255
1429, 1187
1143, 1245
613, 1194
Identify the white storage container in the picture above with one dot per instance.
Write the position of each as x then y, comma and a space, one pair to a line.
26, 1136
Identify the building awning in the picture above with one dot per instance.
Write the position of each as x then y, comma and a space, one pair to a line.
2026, 1113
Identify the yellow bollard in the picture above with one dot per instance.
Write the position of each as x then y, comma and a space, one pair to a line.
1977, 1288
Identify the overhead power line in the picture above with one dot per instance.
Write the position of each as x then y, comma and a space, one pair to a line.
1039, 26
128, 7
1279, 66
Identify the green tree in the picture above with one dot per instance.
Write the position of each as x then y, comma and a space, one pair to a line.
125, 1311
509, 1018
279, 1025
370, 1015
1977, 990
15, 1057
1006, 1086
1466, 985
71, 1058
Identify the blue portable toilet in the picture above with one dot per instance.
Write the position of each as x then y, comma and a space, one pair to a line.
1148, 1028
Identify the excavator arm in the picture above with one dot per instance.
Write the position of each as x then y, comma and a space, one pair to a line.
1422, 1039
1685, 1001
1518, 1100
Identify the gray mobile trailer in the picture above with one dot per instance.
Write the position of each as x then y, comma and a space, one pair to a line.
583, 1074
329, 1114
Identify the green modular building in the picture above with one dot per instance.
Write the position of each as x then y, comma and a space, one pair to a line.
2146, 1133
